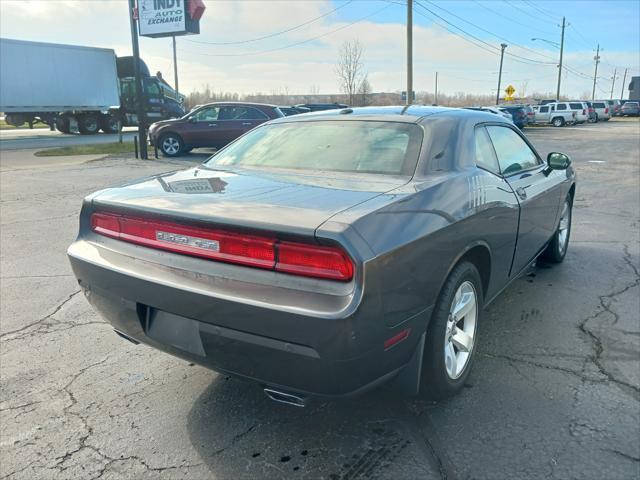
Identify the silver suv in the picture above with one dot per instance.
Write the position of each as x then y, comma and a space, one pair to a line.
603, 110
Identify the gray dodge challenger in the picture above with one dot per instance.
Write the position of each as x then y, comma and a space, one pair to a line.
323, 254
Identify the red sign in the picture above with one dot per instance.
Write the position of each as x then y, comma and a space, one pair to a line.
196, 9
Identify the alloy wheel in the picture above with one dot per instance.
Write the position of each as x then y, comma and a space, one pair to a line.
461, 330
170, 146
563, 228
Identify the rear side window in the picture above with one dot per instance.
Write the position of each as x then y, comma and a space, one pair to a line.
485, 156
544, 109
242, 113
561, 106
576, 106
513, 152
599, 105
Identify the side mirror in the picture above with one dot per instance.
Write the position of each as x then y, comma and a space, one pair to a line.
558, 161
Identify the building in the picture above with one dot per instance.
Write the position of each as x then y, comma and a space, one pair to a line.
634, 89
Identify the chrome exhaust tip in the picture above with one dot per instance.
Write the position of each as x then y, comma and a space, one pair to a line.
288, 398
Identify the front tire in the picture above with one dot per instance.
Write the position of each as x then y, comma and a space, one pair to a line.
110, 123
557, 248
558, 122
171, 145
453, 332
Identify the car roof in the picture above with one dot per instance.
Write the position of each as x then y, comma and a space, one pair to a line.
248, 104
400, 113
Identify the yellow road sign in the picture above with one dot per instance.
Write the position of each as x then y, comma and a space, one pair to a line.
509, 90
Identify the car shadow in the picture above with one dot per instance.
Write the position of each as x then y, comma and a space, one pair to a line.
240, 433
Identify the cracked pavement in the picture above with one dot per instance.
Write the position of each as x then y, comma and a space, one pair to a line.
555, 391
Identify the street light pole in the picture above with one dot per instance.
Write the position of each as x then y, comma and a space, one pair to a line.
624, 79
409, 52
595, 74
436, 96
503, 46
175, 66
142, 120
560, 65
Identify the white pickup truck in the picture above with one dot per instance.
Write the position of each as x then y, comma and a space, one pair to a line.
545, 114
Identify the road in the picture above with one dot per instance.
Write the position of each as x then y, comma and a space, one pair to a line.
555, 392
20, 138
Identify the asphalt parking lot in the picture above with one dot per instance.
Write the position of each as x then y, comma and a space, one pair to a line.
555, 392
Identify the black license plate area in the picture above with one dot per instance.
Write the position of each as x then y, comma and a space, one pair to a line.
179, 332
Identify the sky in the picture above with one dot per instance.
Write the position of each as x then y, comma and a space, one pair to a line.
459, 39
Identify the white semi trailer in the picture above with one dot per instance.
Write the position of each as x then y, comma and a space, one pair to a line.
69, 86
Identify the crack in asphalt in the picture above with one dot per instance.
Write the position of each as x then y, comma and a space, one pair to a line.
43, 319
235, 439
605, 307
623, 455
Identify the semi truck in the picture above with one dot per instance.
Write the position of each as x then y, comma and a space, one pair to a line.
75, 88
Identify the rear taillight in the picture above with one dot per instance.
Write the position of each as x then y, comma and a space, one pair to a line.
313, 261
250, 250
606, 110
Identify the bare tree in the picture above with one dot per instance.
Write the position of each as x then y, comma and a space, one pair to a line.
364, 91
524, 86
349, 68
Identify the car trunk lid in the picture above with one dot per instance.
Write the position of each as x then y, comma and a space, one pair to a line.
285, 202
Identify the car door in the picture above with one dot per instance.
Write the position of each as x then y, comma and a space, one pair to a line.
542, 114
234, 121
202, 129
537, 190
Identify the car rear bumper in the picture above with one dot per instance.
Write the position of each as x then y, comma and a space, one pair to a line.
320, 353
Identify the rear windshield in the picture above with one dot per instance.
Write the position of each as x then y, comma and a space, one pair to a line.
341, 146
599, 105
632, 104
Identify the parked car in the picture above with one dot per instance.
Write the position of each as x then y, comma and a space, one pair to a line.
212, 125
290, 110
630, 109
545, 114
614, 107
256, 265
494, 110
591, 112
528, 110
582, 114
316, 107
602, 110
518, 114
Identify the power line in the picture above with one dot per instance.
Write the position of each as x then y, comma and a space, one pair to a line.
540, 9
271, 35
260, 52
539, 19
511, 19
513, 55
489, 32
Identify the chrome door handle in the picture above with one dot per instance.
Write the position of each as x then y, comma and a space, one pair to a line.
246, 124
522, 193
213, 124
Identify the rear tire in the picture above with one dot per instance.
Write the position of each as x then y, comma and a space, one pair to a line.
88, 124
171, 145
110, 123
452, 335
557, 248
558, 122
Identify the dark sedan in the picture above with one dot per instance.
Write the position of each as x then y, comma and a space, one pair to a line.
630, 108
518, 114
324, 254
212, 125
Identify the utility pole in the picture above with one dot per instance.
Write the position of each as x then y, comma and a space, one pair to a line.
560, 65
409, 52
624, 79
436, 97
503, 46
142, 120
175, 66
595, 74
613, 84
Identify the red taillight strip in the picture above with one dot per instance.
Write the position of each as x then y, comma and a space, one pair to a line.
250, 250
